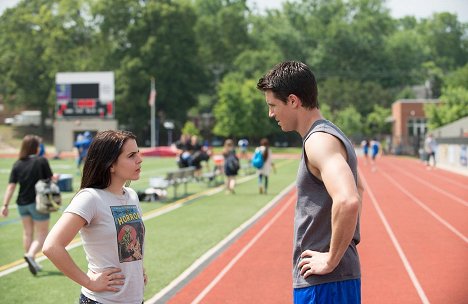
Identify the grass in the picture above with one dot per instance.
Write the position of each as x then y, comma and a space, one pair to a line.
173, 240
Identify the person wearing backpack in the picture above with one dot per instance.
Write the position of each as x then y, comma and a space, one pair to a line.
231, 165
263, 171
27, 170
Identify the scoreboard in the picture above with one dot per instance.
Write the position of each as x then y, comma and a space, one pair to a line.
85, 94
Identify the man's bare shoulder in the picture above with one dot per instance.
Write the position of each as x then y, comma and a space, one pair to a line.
320, 146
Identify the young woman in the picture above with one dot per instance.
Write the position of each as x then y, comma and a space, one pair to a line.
264, 171
27, 170
108, 216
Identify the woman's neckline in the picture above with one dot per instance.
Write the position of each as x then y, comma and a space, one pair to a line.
122, 193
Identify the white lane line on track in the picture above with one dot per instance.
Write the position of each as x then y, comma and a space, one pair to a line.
449, 180
426, 208
388, 228
242, 252
433, 186
157, 298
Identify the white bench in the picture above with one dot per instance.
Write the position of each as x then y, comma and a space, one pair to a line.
173, 179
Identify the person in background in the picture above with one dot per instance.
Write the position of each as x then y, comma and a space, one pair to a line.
375, 148
182, 149
82, 145
196, 155
27, 170
231, 165
42, 151
108, 216
365, 149
268, 164
243, 144
326, 262
430, 147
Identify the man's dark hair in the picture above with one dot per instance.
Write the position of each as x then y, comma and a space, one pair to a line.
291, 77
102, 154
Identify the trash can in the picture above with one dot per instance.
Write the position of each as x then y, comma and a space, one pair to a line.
65, 182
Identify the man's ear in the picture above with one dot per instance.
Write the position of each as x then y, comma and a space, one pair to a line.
294, 100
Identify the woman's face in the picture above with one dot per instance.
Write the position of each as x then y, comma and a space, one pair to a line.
128, 164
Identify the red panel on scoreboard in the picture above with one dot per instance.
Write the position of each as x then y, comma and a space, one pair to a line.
86, 103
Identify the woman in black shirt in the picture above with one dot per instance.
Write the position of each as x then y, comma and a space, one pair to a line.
27, 170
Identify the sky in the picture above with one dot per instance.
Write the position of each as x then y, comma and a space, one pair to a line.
399, 8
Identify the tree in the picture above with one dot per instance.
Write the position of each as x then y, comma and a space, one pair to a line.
230, 109
152, 39
406, 52
221, 32
241, 110
446, 40
190, 128
339, 93
39, 38
458, 78
377, 123
453, 106
349, 120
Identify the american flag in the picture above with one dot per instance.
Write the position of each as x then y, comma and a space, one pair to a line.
152, 97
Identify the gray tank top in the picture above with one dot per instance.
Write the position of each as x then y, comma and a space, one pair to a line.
312, 221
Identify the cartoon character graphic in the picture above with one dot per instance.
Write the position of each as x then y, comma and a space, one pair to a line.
130, 232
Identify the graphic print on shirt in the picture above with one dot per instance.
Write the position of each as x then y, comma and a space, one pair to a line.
130, 232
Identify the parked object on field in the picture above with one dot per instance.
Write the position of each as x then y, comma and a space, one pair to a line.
27, 118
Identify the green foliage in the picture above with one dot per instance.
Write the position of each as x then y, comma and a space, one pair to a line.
241, 109
360, 55
445, 38
221, 32
37, 39
458, 78
453, 106
406, 52
406, 93
340, 93
377, 123
349, 120
190, 128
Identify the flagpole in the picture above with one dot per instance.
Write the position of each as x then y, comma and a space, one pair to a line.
153, 112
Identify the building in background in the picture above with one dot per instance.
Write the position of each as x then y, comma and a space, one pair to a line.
452, 145
409, 125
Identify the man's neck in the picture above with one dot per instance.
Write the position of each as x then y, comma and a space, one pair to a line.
307, 119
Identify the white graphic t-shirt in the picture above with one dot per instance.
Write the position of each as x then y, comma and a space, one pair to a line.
113, 237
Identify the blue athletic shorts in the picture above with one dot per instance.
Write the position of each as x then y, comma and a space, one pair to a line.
30, 210
343, 292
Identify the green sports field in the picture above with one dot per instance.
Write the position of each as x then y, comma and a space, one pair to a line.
174, 240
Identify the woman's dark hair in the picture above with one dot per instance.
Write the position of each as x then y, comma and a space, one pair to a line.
102, 154
29, 146
291, 77
264, 142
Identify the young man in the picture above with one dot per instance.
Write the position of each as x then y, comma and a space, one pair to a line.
326, 228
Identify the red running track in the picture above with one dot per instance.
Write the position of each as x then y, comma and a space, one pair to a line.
414, 243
